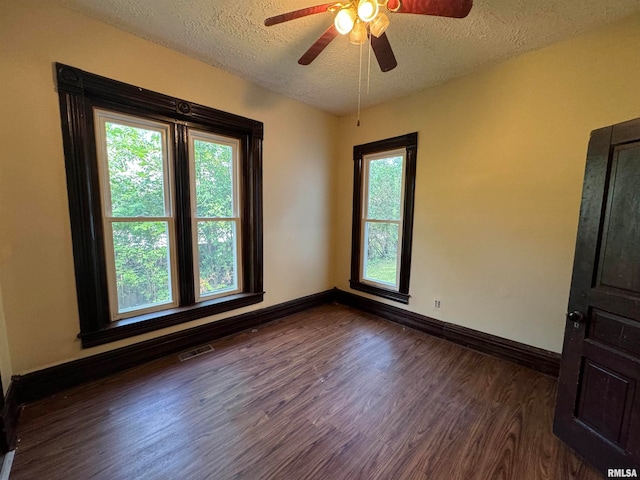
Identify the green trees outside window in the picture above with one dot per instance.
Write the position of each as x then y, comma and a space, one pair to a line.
138, 202
216, 214
384, 202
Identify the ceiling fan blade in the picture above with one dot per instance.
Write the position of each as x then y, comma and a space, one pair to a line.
439, 8
315, 49
384, 54
285, 17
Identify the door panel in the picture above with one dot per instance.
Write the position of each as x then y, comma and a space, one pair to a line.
615, 331
621, 255
598, 403
604, 397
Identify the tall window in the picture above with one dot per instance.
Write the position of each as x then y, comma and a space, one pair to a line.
137, 212
165, 204
215, 214
384, 184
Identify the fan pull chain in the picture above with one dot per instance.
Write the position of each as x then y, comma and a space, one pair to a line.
359, 85
369, 66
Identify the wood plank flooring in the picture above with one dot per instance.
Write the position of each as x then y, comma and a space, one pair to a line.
330, 393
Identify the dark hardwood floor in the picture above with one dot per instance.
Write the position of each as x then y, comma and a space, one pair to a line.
330, 393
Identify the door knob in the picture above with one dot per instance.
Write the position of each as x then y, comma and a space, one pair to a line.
576, 317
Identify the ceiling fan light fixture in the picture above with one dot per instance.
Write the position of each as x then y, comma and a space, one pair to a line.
345, 19
367, 10
393, 5
379, 25
359, 34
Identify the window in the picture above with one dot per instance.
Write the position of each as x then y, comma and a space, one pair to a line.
137, 213
165, 204
215, 214
383, 198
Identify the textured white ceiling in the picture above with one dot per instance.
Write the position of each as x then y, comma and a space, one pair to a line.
230, 34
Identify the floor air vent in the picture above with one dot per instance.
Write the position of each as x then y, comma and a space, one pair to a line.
196, 352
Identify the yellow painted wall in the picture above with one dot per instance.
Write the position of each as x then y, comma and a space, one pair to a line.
36, 267
500, 164
501, 156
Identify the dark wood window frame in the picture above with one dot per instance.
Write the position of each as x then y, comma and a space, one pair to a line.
79, 94
408, 142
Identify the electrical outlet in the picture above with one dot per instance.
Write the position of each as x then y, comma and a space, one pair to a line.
436, 303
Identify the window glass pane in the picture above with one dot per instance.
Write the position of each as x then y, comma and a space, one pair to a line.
217, 256
381, 252
385, 188
136, 171
214, 179
142, 264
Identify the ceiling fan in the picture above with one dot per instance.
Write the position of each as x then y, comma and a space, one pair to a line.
363, 19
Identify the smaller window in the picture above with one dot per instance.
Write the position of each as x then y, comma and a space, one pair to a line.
383, 198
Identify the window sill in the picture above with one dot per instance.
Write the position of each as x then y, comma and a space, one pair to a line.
149, 322
380, 292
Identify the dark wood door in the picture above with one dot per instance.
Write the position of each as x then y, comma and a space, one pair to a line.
598, 404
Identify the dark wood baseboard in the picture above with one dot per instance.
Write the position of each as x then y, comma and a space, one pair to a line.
538, 359
39, 384
42, 383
